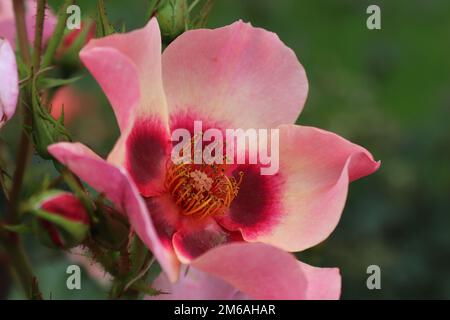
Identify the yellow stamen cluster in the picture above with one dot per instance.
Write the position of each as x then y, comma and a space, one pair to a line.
201, 190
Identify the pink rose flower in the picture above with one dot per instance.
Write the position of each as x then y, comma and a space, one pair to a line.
9, 82
237, 76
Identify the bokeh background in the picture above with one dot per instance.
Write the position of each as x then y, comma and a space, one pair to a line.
388, 90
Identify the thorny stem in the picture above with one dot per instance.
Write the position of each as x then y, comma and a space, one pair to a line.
19, 16
40, 15
12, 241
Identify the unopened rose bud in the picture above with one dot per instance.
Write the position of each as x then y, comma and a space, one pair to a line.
61, 220
172, 16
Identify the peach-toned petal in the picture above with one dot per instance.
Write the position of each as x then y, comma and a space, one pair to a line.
118, 77
258, 270
323, 283
250, 271
239, 74
116, 184
6, 10
9, 83
128, 68
310, 190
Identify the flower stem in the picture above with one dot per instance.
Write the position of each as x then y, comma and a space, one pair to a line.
20, 265
22, 159
38, 32
11, 241
21, 28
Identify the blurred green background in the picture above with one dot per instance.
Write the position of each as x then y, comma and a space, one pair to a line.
388, 90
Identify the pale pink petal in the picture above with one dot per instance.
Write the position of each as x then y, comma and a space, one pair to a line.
9, 82
250, 271
7, 23
8, 31
116, 184
239, 74
258, 270
301, 205
118, 77
128, 68
323, 283
6, 10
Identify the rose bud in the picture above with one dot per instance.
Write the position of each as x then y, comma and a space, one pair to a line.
61, 219
172, 17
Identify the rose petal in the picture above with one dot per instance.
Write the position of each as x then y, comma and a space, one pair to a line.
239, 74
258, 270
128, 68
250, 271
9, 82
323, 283
308, 193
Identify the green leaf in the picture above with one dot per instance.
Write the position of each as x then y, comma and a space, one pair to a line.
17, 228
77, 230
45, 130
104, 27
48, 83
